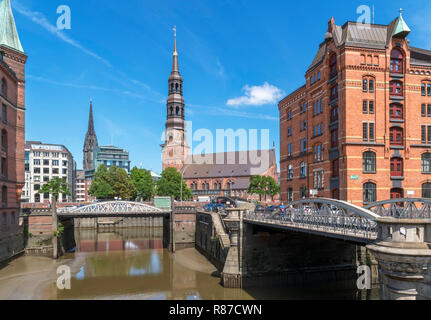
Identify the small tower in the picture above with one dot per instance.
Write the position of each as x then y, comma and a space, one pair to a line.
90, 142
175, 149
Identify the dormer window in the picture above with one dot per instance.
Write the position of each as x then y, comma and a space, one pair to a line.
396, 61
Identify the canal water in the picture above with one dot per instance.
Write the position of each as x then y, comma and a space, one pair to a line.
133, 264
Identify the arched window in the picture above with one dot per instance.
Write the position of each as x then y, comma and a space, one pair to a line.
426, 88
172, 111
172, 87
396, 167
426, 163
208, 186
177, 111
369, 189
219, 186
397, 193
396, 88
396, 136
333, 66
4, 140
426, 190
176, 86
303, 170
396, 61
369, 162
396, 111
3, 87
37, 197
368, 84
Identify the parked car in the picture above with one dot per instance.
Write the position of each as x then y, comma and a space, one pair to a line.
271, 209
259, 209
214, 206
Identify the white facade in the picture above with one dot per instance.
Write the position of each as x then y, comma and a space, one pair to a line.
43, 163
82, 186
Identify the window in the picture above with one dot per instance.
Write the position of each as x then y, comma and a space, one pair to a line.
55, 163
396, 88
46, 170
318, 153
290, 194
371, 85
365, 131
426, 163
334, 138
371, 127
334, 114
4, 167
426, 190
396, 167
397, 193
4, 196
303, 145
319, 179
289, 149
365, 85
36, 170
395, 111
333, 66
396, 136
365, 107
335, 168
369, 192
3, 87
303, 170
4, 140
369, 162
371, 107
290, 172
334, 92
396, 61
4, 113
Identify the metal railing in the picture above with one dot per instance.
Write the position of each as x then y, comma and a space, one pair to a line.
414, 208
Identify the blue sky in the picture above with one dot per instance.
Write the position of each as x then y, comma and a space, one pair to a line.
237, 59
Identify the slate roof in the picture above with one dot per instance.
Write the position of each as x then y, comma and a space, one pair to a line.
229, 164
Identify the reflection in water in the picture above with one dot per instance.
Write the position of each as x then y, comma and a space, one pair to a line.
132, 264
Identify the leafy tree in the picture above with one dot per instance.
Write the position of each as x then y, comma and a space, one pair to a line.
170, 185
54, 187
256, 186
121, 183
101, 187
272, 187
143, 183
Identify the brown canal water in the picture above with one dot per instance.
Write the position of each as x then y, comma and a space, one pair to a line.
133, 264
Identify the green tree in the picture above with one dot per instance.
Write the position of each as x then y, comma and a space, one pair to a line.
272, 187
256, 186
101, 187
170, 185
55, 187
121, 183
143, 183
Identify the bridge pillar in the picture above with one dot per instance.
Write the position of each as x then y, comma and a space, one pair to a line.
232, 275
403, 252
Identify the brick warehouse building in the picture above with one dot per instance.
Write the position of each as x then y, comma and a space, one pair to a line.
12, 123
360, 128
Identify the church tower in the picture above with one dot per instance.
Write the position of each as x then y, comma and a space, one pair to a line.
90, 142
175, 149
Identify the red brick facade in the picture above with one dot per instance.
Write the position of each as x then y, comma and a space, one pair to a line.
12, 123
363, 102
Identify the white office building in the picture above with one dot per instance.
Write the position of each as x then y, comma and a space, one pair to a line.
44, 162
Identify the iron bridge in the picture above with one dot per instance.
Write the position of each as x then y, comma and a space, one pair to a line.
340, 219
111, 209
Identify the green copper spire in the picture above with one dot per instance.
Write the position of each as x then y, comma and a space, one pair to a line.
8, 34
401, 28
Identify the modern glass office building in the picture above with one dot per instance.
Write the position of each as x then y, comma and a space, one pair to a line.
111, 156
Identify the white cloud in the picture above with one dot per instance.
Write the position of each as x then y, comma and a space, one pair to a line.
41, 20
257, 96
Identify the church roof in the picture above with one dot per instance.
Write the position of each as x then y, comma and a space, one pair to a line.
229, 164
8, 33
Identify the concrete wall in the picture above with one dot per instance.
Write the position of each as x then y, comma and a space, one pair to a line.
10, 245
184, 230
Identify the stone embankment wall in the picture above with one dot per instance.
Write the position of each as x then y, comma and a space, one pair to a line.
11, 244
209, 242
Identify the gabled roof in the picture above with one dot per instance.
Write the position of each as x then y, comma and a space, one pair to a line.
8, 33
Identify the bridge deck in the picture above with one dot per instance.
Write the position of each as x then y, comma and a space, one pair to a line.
360, 236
